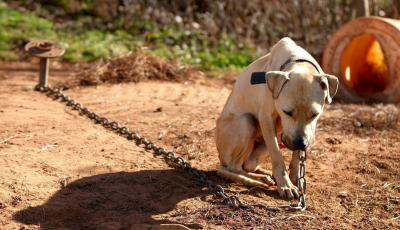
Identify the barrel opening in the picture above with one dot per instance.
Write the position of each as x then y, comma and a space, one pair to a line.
363, 66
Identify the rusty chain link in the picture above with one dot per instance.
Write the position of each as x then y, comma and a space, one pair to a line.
230, 200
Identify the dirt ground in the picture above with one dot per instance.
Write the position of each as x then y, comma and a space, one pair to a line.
59, 170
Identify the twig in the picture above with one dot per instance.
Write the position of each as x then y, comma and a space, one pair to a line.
47, 146
255, 187
7, 139
169, 182
123, 194
97, 193
300, 215
386, 185
315, 205
13, 137
163, 132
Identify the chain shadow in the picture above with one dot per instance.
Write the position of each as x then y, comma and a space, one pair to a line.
115, 199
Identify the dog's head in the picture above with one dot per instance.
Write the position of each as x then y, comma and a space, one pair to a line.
299, 96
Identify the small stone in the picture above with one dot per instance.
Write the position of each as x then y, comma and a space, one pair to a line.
357, 124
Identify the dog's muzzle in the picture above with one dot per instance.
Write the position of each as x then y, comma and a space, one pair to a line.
300, 144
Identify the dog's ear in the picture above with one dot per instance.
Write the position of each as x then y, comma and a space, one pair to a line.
275, 81
329, 84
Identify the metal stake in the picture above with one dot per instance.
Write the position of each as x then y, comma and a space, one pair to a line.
43, 72
44, 49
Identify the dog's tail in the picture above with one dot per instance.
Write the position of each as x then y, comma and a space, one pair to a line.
243, 177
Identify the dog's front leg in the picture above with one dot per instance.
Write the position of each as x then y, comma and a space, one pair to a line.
294, 167
285, 186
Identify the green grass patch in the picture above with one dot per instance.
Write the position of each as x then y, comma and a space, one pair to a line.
84, 43
17, 29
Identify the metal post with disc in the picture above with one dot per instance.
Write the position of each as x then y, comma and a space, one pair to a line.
44, 49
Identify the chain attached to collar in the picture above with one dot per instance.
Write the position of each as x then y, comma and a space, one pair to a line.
230, 200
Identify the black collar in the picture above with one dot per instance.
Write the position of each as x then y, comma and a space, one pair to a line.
259, 77
290, 60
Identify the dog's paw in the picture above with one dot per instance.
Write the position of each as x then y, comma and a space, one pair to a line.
268, 180
288, 191
264, 171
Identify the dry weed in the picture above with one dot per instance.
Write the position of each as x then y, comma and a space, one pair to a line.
134, 67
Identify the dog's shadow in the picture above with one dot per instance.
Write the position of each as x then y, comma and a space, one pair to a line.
122, 199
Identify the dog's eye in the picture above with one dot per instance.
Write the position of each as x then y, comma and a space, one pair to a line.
288, 113
314, 115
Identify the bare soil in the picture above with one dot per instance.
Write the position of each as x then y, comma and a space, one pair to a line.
60, 170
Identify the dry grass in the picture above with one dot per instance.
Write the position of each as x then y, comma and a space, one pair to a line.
361, 119
135, 67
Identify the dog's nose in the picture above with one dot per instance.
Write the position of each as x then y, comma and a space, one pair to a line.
300, 143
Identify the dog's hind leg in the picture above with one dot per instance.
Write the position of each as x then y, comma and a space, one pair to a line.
235, 137
252, 164
240, 177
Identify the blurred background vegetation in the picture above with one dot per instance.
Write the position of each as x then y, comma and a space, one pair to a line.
224, 34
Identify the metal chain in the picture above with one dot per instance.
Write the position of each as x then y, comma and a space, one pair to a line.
230, 200
302, 182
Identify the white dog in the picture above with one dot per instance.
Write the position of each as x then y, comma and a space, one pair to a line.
257, 116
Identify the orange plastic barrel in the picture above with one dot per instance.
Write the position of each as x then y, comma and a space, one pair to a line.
365, 55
